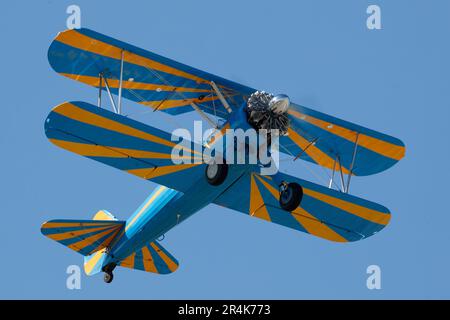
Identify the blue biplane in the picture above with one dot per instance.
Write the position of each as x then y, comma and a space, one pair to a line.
125, 71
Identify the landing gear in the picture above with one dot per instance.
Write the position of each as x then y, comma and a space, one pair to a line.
108, 277
108, 270
216, 173
291, 195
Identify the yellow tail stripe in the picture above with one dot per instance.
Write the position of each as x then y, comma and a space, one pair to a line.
379, 146
128, 262
169, 262
357, 210
73, 234
49, 225
77, 246
149, 264
80, 41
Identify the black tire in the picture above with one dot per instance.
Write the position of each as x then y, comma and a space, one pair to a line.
108, 277
216, 173
291, 197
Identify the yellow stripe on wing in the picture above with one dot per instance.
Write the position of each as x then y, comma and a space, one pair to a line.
357, 210
384, 148
168, 104
132, 85
73, 112
77, 40
316, 227
92, 150
257, 207
311, 224
149, 173
320, 157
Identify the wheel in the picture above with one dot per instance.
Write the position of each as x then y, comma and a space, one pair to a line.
290, 196
108, 277
216, 173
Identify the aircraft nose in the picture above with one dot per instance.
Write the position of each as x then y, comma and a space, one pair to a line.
279, 104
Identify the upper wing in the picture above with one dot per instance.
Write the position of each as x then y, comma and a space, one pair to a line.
122, 143
323, 139
148, 78
170, 86
323, 212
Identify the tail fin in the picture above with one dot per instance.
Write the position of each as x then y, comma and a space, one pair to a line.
104, 215
84, 236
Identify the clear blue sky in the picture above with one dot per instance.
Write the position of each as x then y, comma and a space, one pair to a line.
320, 53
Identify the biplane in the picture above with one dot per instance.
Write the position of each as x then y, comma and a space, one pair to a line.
121, 71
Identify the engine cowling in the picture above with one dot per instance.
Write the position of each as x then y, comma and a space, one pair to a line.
266, 111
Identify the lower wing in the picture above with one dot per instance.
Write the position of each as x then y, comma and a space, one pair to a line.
323, 212
122, 143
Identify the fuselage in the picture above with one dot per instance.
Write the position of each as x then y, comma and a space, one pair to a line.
164, 209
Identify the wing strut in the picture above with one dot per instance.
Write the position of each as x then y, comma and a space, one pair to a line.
221, 98
119, 109
355, 150
113, 103
345, 186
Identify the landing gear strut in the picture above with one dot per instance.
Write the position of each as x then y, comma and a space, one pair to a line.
291, 195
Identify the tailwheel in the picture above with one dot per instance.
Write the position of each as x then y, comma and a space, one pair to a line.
291, 195
108, 277
216, 173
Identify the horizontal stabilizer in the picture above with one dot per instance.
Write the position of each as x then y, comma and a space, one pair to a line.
83, 236
151, 258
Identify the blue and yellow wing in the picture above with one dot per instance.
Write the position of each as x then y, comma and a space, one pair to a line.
169, 86
327, 141
82, 236
123, 143
323, 212
148, 78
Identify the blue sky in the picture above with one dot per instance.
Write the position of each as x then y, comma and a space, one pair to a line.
395, 80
